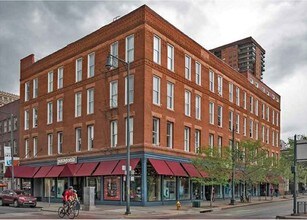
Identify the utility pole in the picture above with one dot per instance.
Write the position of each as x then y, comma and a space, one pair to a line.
232, 201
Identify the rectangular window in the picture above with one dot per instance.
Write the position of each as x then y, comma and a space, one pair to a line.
35, 147
59, 110
90, 101
251, 104
27, 91
244, 100
238, 123
251, 128
79, 70
186, 139
237, 96
90, 137
156, 131
277, 119
49, 113
244, 126
170, 57
78, 139
277, 139
50, 81
60, 77
220, 116
220, 85
273, 138
263, 111
130, 48
26, 121
114, 52
256, 131
187, 103
211, 80
187, 67
15, 124
50, 144
113, 94
230, 92
211, 141
211, 113
198, 73
267, 135
130, 130
198, 107
156, 90
256, 107
78, 104
219, 144
268, 113
114, 133
10, 125
60, 142
90, 65
27, 149
169, 134
263, 133
35, 119
273, 117
197, 140
5, 123
230, 125
35, 88
131, 89
157, 50
170, 96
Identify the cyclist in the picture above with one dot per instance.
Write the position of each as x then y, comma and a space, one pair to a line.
68, 195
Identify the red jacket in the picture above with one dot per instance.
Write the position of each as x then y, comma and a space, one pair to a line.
68, 193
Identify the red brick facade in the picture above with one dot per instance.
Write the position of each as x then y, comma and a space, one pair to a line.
144, 24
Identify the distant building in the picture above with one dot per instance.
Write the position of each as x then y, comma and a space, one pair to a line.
245, 56
6, 98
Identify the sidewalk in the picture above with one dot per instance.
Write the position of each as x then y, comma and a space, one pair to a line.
112, 211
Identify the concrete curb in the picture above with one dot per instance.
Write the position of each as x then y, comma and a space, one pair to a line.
290, 217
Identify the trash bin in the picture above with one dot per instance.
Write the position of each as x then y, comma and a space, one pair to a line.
300, 206
196, 203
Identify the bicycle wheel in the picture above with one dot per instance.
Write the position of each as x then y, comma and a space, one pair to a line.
71, 212
61, 212
76, 212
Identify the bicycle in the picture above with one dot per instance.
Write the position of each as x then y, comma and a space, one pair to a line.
67, 209
76, 206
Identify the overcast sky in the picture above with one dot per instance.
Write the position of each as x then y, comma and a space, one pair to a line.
280, 27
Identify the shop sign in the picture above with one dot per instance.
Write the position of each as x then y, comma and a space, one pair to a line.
65, 160
7, 156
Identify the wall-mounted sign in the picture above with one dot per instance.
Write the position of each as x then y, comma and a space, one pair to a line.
7, 156
65, 160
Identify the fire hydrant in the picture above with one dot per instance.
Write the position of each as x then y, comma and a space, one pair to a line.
178, 205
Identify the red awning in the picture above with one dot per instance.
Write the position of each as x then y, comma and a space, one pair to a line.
191, 170
204, 174
105, 168
161, 167
176, 168
70, 170
118, 169
21, 172
43, 171
55, 171
87, 169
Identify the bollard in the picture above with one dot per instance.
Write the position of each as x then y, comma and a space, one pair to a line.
178, 205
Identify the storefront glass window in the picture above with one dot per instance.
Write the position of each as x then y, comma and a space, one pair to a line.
111, 188
184, 188
95, 182
49, 188
197, 190
169, 188
60, 187
135, 185
26, 186
153, 184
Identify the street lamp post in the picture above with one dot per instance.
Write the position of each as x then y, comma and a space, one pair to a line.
232, 200
294, 177
12, 145
109, 65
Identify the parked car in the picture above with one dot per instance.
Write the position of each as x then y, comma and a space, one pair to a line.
17, 198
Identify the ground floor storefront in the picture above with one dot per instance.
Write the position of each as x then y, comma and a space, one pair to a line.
155, 179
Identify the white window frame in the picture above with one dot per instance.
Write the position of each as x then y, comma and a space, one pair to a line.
169, 134
244, 100
156, 131
34, 146
263, 133
187, 132
60, 142
114, 94
78, 104
50, 81
78, 139
244, 126
129, 48
34, 117
60, 77
230, 92
198, 107
211, 141
114, 52
170, 96
197, 140
277, 119
131, 89
273, 117
90, 137
90, 101
91, 65
238, 123
251, 104
35, 88
49, 113
27, 91
219, 116
256, 130
170, 57
237, 96
267, 135
50, 144
27, 149
263, 111
251, 128
187, 67
268, 113
114, 133
79, 69
130, 130
273, 138
60, 103
198, 73
156, 49
220, 85
211, 113
230, 124
211, 80
257, 107
220, 144
187, 103
156, 90
27, 119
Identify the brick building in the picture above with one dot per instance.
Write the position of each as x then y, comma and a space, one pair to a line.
6, 98
182, 97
